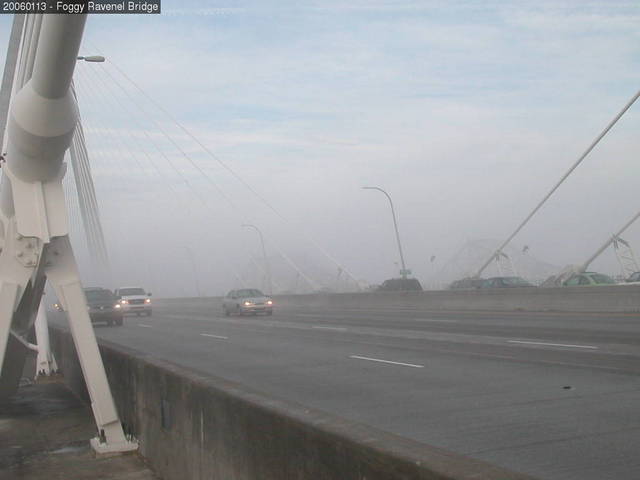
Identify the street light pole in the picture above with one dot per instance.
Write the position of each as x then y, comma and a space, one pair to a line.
404, 270
195, 271
264, 256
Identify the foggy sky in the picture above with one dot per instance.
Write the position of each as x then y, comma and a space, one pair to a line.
465, 112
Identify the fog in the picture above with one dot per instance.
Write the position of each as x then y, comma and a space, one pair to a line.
465, 114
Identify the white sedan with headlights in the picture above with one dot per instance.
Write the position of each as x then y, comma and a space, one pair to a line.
247, 301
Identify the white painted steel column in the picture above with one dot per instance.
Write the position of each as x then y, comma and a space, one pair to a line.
36, 244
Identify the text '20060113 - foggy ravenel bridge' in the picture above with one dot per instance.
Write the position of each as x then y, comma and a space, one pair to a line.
495, 378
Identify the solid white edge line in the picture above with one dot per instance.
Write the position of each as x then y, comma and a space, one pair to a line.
386, 361
214, 336
553, 344
339, 329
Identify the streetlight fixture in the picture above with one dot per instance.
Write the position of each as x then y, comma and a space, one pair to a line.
91, 58
404, 272
264, 256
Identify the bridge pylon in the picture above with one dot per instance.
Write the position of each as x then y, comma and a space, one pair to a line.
34, 236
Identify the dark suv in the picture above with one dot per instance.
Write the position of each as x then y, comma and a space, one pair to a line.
103, 306
400, 285
505, 282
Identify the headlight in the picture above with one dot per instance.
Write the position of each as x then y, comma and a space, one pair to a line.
117, 305
147, 300
247, 303
124, 302
269, 302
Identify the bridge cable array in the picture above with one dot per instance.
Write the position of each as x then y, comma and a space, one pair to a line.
562, 179
174, 168
224, 165
123, 167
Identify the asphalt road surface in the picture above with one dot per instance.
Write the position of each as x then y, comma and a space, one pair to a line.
556, 396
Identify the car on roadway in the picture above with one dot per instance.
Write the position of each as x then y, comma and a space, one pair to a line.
469, 283
634, 278
249, 301
134, 301
103, 306
588, 279
400, 285
505, 282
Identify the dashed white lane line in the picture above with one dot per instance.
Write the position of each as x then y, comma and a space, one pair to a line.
145, 325
338, 329
386, 361
436, 320
214, 336
554, 344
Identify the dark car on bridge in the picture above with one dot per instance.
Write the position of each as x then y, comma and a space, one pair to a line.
103, 306
506, 282
400, 285
469, 283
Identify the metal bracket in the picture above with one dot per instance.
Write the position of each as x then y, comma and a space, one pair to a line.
27, 250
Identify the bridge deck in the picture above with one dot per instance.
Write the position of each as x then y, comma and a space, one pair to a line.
551, 395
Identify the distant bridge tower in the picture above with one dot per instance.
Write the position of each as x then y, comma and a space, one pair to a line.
504, 264
626, 257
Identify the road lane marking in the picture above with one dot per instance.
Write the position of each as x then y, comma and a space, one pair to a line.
554, 344
339, 329
435, 320
385, 361
145, 325
214, 336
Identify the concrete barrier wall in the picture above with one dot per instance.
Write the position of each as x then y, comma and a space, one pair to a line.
607, 299
198, 427
568, 299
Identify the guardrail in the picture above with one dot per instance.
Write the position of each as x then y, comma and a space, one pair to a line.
194, 426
